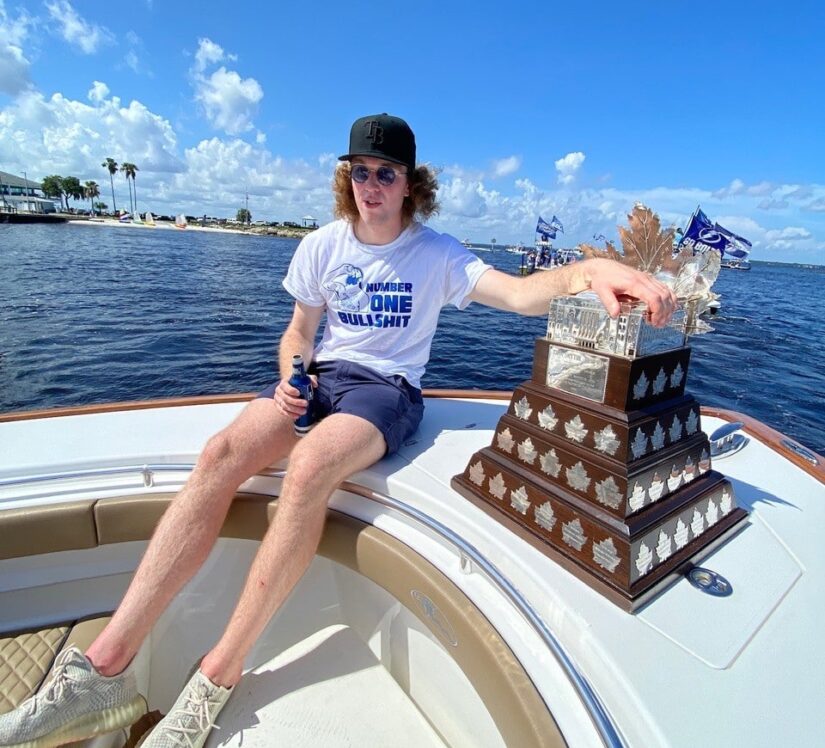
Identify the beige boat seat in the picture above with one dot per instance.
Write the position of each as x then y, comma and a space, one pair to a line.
498, 677
27, 656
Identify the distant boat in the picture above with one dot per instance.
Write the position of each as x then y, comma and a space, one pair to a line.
467, 243
180, 221
149, 219
733, 263
136, 218
125, 218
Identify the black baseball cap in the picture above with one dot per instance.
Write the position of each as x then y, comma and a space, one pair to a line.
382, 136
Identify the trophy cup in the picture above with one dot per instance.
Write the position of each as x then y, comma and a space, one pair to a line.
600, 461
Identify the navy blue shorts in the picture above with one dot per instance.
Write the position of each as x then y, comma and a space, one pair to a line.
391, 404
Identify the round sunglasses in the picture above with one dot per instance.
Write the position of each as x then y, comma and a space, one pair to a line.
385, 175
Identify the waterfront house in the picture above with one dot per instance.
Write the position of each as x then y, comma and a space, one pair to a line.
19, 194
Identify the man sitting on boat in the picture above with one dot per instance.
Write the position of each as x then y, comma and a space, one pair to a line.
367, 370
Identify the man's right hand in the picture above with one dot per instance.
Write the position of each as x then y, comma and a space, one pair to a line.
288, 399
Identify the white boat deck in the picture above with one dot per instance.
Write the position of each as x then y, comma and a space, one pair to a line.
686, 670
327, 690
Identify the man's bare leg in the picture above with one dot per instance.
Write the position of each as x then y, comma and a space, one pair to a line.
337, 447
259, 436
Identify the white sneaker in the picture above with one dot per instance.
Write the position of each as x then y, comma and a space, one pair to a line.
74, 703
192, 717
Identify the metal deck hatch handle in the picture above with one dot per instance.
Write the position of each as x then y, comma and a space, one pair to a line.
709, 582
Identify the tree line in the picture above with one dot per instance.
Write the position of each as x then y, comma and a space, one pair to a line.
64, 188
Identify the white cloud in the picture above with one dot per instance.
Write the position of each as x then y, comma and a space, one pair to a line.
132, 61
526, 186
461, 198
87, 37
763, 188
133, 54
773, 204
209, 53
228, 170
98, 92
62, 136
568, 166
14, 66
789, 233
738, 187
505, 166
229, 101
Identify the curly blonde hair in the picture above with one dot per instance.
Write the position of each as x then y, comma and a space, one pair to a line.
420, 203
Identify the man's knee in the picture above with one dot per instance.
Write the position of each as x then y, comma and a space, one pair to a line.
218, 451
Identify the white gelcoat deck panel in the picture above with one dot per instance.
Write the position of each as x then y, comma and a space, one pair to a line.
327, 690
760, 571
657, 691
165, 435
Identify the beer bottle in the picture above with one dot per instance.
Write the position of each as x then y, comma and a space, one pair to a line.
301, 382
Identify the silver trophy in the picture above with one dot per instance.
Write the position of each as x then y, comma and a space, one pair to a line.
583, 322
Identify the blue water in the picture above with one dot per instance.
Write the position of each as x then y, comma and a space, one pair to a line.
97, 314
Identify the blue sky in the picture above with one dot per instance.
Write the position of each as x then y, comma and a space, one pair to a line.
577, 110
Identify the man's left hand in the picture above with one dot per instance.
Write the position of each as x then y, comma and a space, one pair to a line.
611, 280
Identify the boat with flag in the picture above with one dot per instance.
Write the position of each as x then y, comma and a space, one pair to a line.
701, 235
544, 256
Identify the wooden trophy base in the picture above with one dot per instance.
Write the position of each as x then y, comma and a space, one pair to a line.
611, 478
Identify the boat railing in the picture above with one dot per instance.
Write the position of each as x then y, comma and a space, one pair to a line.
470, 560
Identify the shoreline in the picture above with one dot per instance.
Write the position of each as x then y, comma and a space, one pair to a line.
276, 231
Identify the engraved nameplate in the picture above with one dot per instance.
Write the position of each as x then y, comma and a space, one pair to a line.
577, 372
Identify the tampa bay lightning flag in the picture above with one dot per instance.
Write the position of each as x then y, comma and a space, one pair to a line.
548, 230
702, 234
737, 246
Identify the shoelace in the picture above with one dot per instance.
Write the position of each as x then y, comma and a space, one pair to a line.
56, 685
196, 706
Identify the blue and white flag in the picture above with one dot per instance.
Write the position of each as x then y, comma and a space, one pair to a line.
556, 224
542, 227
738, 246
701, 234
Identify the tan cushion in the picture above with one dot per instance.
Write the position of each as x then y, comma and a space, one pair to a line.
130, 517
135, 517
25, 659
84, 632
47, 529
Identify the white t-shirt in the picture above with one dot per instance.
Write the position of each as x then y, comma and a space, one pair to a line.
382, 301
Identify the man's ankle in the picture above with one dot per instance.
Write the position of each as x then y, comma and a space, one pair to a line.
109, 660
221, 673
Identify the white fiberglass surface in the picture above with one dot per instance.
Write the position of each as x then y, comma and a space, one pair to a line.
343, 662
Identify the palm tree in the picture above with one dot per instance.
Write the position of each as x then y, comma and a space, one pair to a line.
91, 190
129, 170
111, 165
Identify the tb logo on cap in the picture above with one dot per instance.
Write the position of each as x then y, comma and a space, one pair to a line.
375, 132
